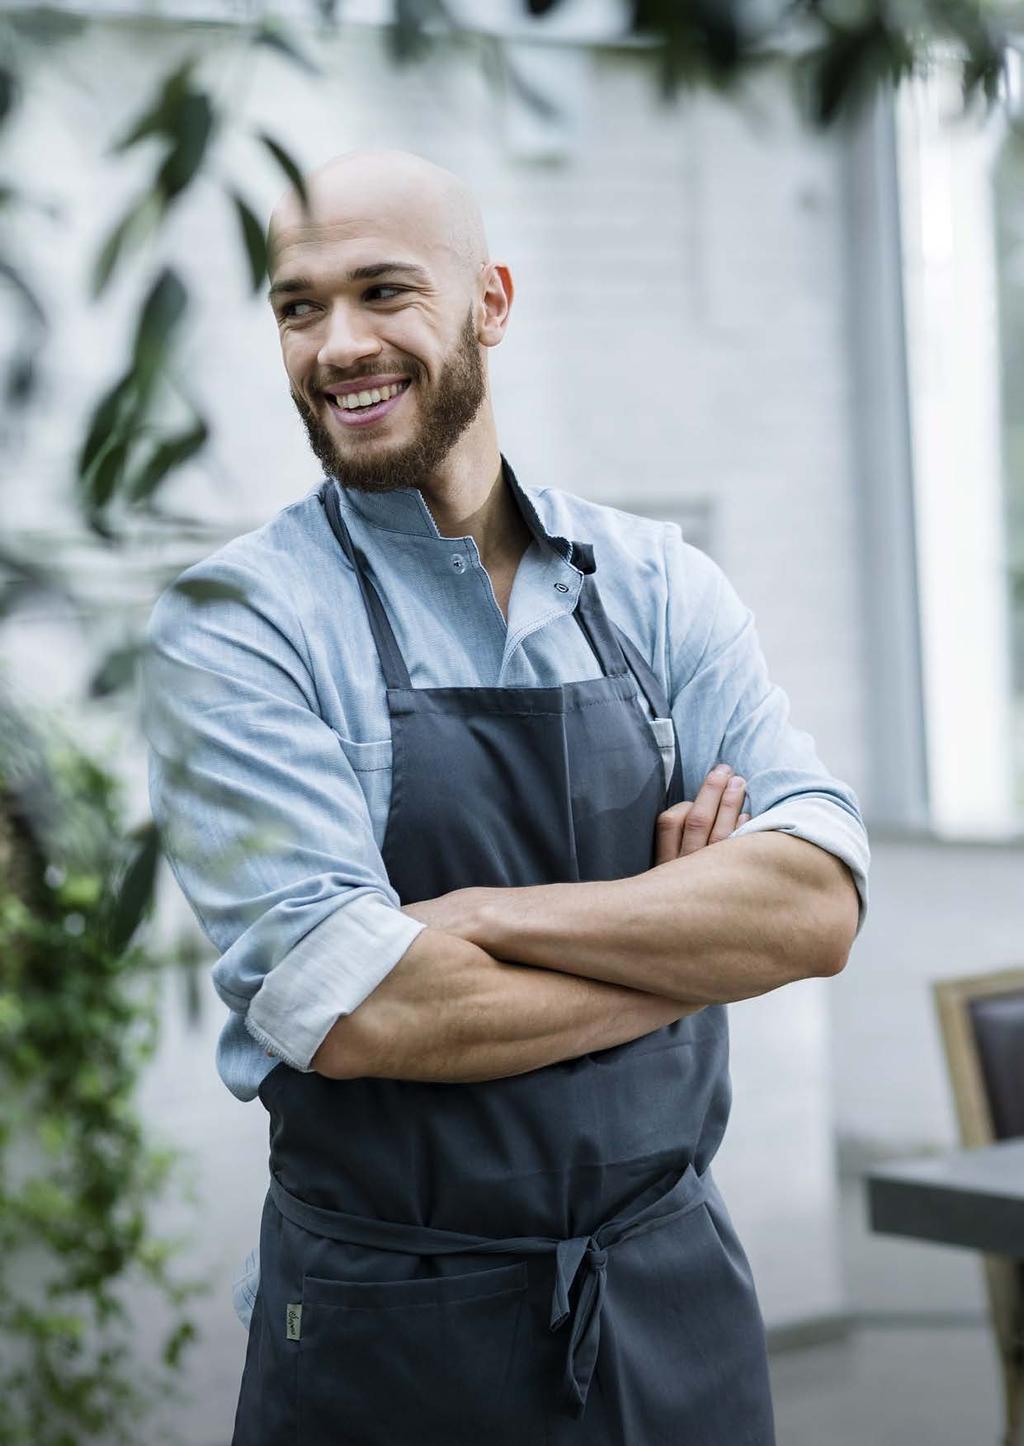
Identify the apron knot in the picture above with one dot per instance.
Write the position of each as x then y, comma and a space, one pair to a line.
585, 1332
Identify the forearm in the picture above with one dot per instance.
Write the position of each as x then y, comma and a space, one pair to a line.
722, 924
449, 1012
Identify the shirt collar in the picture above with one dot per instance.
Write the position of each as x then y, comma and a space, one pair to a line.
405, 510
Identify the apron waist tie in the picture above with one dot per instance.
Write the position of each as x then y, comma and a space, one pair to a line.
654, 1207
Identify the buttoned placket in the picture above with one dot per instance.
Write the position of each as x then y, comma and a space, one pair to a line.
547, 583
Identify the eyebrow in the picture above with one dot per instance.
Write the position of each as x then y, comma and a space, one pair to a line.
292, 284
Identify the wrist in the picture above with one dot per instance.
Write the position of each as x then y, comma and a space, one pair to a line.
485, 918
504, 919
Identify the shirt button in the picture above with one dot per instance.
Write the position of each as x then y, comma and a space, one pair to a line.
458, 561
561, 587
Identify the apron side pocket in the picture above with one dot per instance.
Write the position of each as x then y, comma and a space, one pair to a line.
433, 1361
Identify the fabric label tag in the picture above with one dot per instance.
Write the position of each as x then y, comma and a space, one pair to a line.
293, 1322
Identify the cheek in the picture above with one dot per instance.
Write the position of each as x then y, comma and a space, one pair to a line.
408, 336
298, 352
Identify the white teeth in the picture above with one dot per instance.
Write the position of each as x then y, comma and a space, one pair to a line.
353, 400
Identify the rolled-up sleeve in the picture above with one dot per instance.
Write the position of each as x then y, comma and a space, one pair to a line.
262, 817
726, 709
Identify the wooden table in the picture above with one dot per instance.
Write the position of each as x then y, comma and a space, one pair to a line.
972, 1198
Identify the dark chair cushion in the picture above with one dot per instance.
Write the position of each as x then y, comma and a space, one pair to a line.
998, 1021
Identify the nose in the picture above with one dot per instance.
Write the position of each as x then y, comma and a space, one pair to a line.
349, 338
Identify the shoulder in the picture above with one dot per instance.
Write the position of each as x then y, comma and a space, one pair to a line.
651, 549
671, 597
266, 574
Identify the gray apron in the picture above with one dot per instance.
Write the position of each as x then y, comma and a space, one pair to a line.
542, 1260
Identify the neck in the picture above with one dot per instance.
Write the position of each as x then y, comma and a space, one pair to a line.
472, 500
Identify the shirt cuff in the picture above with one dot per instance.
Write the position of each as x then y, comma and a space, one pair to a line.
821, 821
328, 973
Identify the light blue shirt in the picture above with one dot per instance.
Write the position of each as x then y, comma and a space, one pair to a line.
270, 763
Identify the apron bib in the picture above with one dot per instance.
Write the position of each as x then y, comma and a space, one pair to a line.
542, 1260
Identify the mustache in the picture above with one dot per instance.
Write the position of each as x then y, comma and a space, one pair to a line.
374, 369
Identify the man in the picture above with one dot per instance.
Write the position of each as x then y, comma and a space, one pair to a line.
419, 755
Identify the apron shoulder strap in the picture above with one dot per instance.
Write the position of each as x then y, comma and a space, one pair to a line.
616, 652
655, 695
396, 674
597, 629
613, 648
644, 673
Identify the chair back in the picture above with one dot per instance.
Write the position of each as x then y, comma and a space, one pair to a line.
982, 1020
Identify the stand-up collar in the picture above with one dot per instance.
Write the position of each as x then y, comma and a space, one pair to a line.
405, 510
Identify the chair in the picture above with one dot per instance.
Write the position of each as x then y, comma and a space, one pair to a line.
982, 1022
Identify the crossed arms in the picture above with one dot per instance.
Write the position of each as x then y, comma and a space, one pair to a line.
272, 832
502, 981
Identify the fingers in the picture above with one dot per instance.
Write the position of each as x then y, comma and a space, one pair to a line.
668, 832
710, 817
731, 802
701, 826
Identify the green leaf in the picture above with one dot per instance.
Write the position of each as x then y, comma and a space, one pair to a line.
116, 671
21, 380
276, 39
140, 218
851, 63
192, 129
135, 894
253, 239
8, 92
24, 579
30, 302
110, 416
46, 25
170, 453
160, 118
162, 313
287, 165
408, 37
101, 482
209, 590
182, 1335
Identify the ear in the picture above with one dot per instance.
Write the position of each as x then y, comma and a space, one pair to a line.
496, 303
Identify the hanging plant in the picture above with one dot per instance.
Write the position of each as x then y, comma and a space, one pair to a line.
78, 979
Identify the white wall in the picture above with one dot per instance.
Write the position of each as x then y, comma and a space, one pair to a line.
684, 261
938, 911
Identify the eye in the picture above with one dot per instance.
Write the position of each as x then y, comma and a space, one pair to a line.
395, 290
286, 310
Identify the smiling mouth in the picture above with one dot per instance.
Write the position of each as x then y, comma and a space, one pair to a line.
363, 401
358, 409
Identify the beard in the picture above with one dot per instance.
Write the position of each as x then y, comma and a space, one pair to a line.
446, 410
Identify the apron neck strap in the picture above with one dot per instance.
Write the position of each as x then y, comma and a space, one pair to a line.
645, 676
396, 674
614, 649
597, 629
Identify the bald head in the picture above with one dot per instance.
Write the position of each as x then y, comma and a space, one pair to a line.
395, 192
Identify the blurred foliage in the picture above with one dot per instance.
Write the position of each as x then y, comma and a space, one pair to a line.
77, 1026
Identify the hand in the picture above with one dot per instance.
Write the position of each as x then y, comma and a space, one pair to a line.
710, 817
